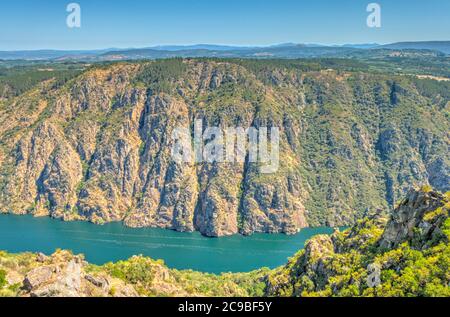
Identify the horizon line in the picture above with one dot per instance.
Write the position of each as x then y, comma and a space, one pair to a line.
152, 46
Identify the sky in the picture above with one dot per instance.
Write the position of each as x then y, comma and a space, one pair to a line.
31, 24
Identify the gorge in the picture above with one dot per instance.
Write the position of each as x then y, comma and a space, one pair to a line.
96, 146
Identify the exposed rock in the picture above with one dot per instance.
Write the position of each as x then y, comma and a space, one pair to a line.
64, 275
38, 277
97, 281
14, 278
409, 215
439, 173
375, 258
41, 257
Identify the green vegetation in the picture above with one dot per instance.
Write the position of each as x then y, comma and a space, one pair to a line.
16, 79
13, 262
160, 75
417, 266
439, 91
150, 276
2, 278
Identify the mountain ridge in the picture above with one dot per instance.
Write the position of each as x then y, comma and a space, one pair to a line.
209, 50
442, 46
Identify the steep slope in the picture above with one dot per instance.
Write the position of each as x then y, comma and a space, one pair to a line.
99, 147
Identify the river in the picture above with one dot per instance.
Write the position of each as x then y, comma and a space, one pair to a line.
113, 242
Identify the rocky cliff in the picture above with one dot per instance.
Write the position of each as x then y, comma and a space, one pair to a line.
98, 148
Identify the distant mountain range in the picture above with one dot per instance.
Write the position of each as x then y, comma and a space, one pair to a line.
441, 46
284, 50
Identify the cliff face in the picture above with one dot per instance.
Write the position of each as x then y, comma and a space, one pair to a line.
99, 147
419, 217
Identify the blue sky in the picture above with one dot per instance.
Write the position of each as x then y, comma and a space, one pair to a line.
31, 24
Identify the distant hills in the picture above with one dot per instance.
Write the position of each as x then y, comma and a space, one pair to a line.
441, 46
48, 54
283, 50
288, 51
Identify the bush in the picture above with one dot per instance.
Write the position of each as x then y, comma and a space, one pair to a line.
3, 281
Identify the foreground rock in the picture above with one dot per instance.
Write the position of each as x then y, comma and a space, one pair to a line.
64, 275
409, 221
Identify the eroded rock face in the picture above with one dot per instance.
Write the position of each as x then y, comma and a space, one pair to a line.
66, 282
409, 215
99, 148
38, 277
97, 281
439, 173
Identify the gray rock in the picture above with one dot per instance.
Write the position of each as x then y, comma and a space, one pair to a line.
41, 257
408, 216
37, 277
97, 281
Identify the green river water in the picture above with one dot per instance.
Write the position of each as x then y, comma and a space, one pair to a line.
113, 241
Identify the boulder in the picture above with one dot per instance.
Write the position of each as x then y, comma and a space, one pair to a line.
41, 257
37, 277
97, 281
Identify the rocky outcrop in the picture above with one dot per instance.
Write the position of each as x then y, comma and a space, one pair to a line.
64, 275
375, 258
37, 277
408, 221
